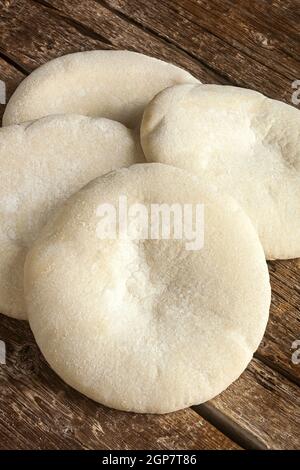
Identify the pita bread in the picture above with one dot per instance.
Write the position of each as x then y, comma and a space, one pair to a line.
246, 144
112, 84
146, 325
42, 164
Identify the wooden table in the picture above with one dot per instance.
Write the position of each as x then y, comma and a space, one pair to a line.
252, 44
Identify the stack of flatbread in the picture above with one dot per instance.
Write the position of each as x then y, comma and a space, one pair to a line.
135, 315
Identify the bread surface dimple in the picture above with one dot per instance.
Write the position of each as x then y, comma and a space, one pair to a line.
147, 325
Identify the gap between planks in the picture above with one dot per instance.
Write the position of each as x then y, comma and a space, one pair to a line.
14, 63
292, 378
229, 428
82, 28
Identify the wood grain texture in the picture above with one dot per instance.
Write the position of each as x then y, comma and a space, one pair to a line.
56, 35
274, 15
39, 411
273, 45
284, 322
264, 405
32, 46
203, 29
253, 44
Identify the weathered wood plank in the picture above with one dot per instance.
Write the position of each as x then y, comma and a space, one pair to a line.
11, 77
56, 34
193, 35
39, 411
263, 404
270, 45
284, 323
276, 15
49, 38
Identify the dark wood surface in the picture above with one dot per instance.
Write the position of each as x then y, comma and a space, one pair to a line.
252, 44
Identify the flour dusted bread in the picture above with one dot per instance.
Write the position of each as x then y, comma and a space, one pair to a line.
41, 164
112, 84
246, 144
146, 325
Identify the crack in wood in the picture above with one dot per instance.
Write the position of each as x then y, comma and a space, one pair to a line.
82, 28
284, 372
11, 61
236, 433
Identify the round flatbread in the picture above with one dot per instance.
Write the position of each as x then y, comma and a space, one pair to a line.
247, 144
112, 84
147, 325
42, 164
